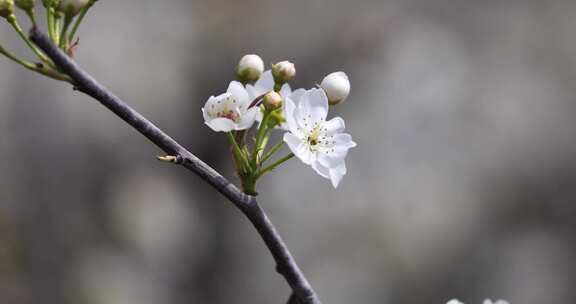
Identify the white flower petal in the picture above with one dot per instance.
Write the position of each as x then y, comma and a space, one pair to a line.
305, 155
221, 124
292, 141
237, 90
212, 107
296, 95
264, 84
336, 174
299, 148
248, 119
332, 158
289, 109
335, 125
344, 139
318, 103
321, 170
285, 91
252, 92
205, 115
312, 108
454, 301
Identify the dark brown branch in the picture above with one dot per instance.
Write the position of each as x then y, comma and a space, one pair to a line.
83, 82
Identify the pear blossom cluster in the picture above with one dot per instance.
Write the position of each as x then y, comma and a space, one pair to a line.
265, 100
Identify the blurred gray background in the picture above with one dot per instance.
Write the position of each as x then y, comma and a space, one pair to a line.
463, 183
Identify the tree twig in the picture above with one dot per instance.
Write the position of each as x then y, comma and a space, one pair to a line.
83, 82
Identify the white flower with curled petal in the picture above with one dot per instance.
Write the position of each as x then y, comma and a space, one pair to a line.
314, 140
229, 111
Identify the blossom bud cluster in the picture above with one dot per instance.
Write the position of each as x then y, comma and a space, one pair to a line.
302, 114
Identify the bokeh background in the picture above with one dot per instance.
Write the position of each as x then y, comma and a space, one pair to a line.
463, 183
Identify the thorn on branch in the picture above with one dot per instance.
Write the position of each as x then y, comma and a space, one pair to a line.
73, 48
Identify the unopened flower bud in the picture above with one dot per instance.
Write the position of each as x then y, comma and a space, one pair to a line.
249, 68
6, 8
283, 72
25, 5
71, 8
337, 87
272, 101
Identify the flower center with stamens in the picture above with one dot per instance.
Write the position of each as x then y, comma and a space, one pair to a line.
314, 138
232, 115
228, 109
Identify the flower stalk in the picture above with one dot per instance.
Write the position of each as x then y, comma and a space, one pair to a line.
80, 18
14, 23
274, 165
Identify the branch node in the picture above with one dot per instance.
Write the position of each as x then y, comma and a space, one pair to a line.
168, 159
178, 159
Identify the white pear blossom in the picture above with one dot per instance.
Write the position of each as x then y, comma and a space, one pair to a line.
315, 141
229, 111
337, 87
250, 67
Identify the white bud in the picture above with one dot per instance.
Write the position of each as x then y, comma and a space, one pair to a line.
337, 87
272, 101
6, 8
283, 71
71, 7
250, 68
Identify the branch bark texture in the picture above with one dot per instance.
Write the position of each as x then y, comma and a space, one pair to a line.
83, 82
